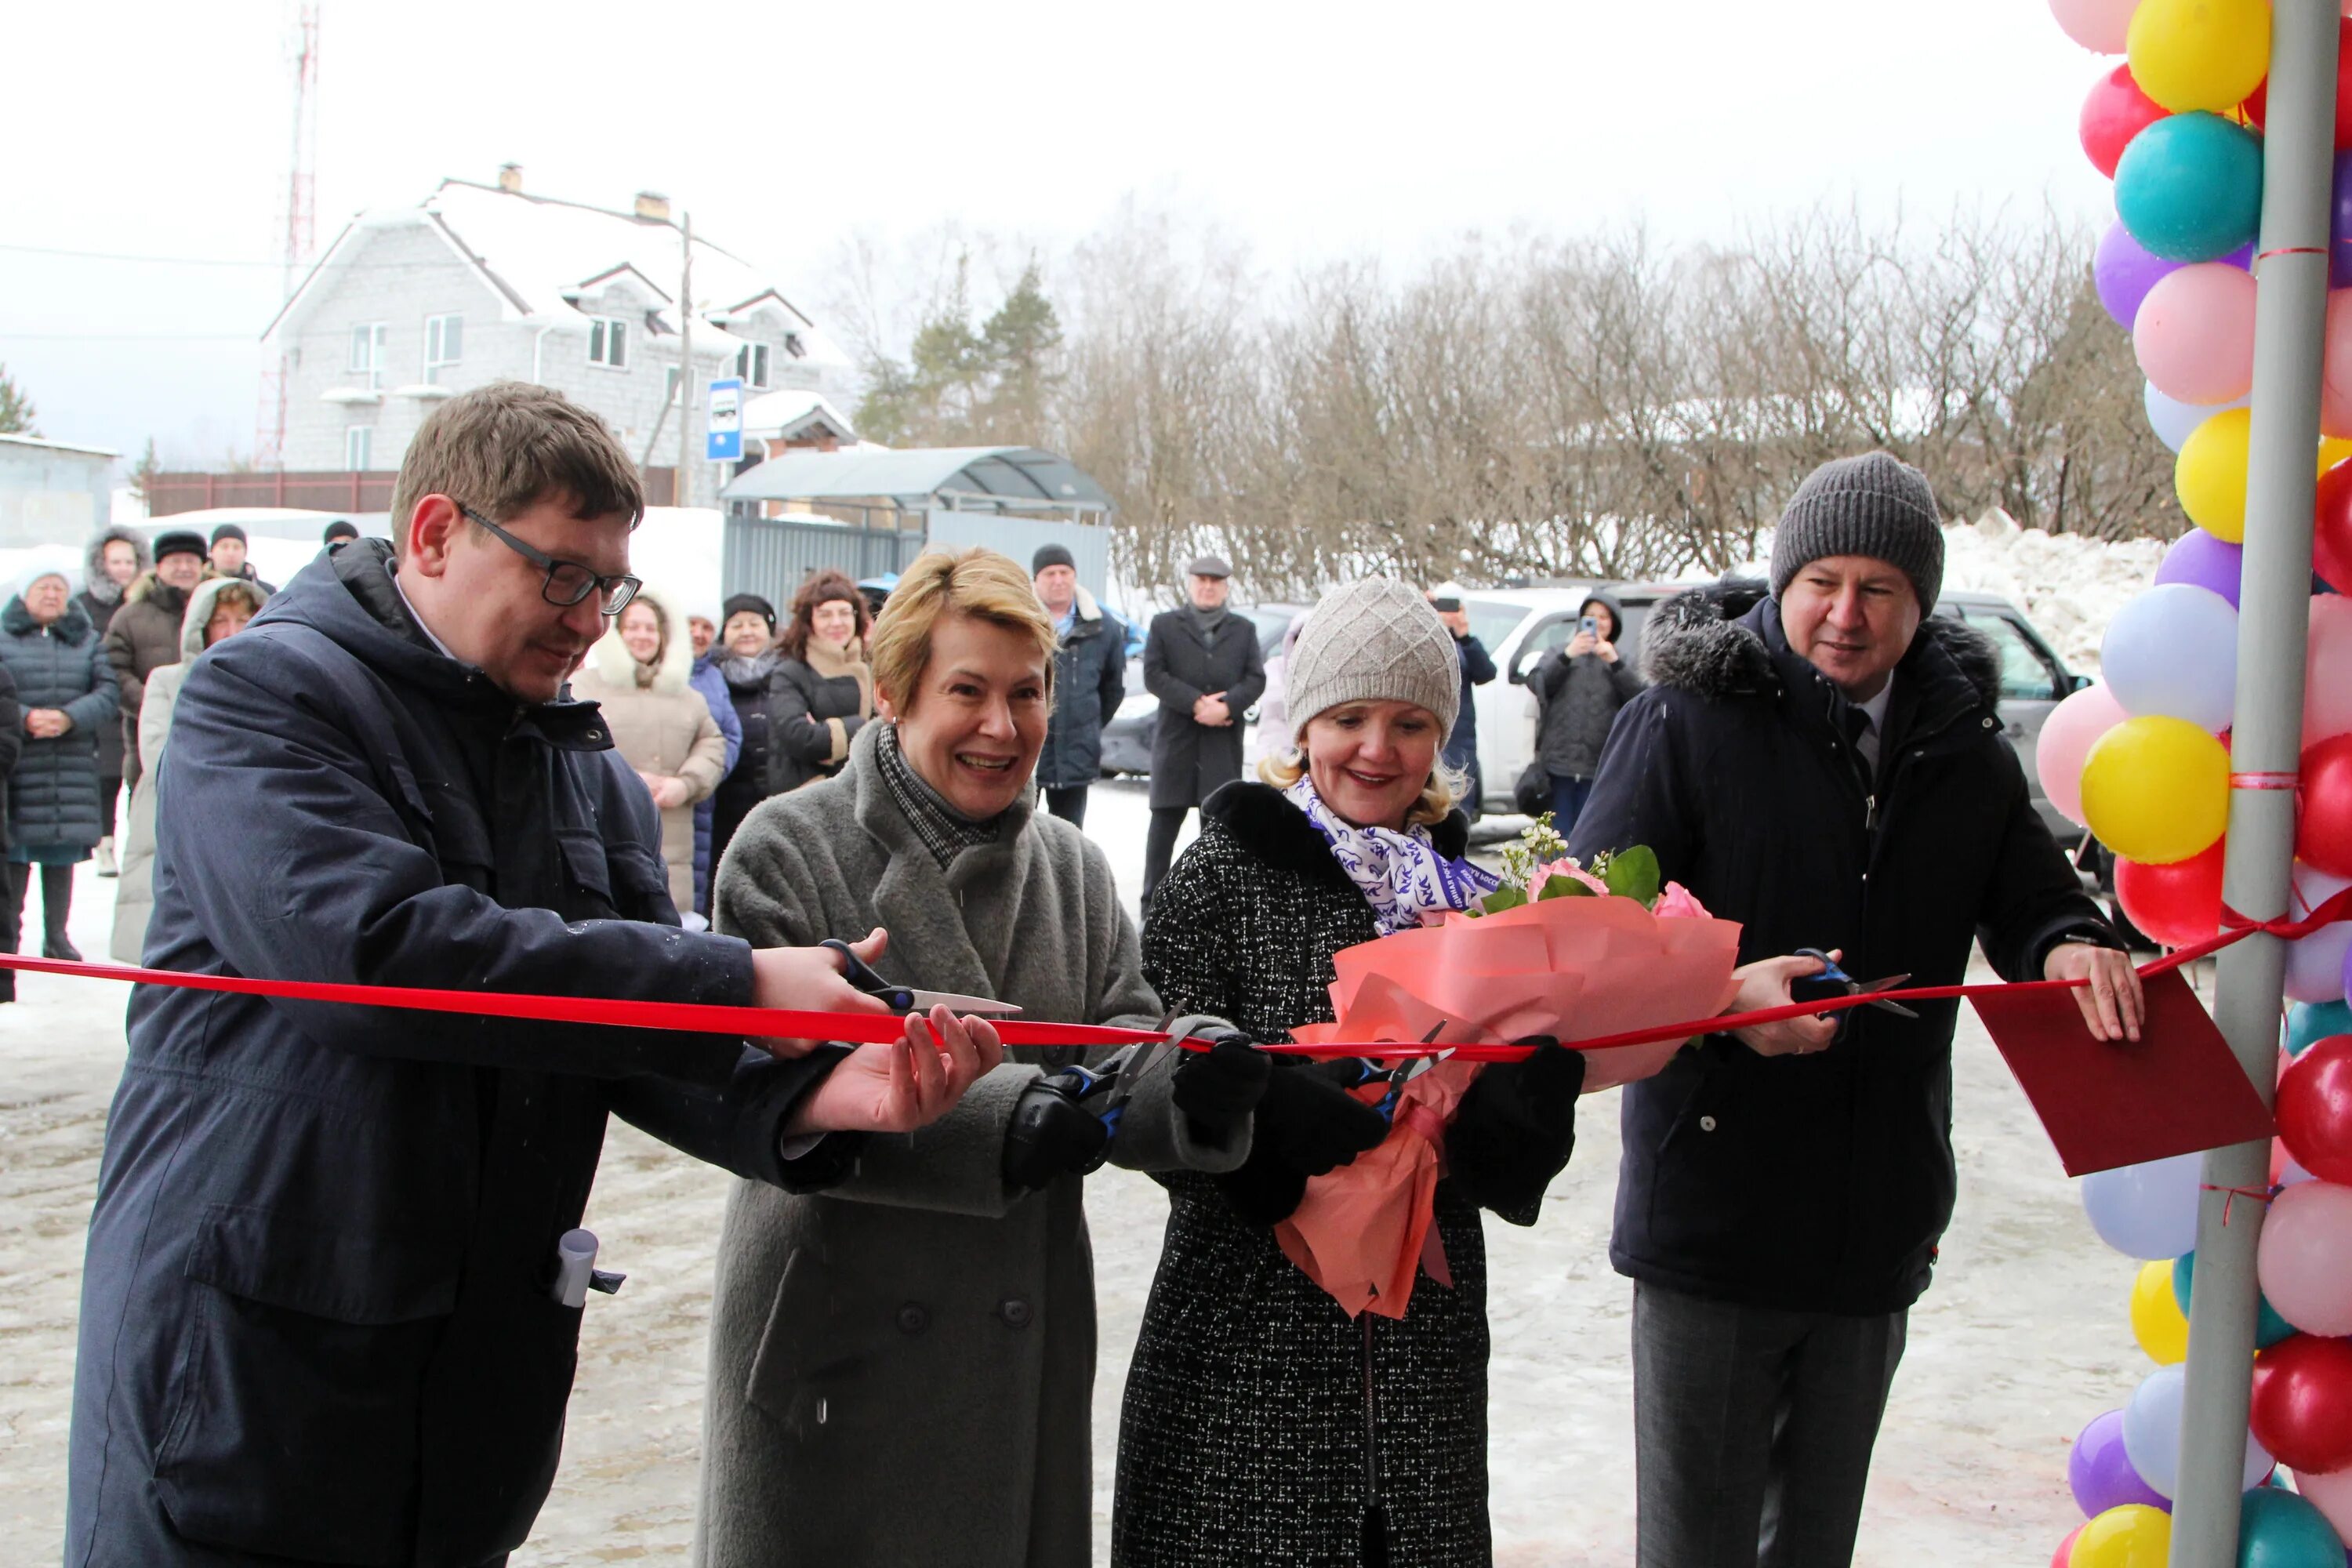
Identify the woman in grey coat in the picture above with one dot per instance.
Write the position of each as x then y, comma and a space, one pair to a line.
902, 1369
66, 689
1578, 691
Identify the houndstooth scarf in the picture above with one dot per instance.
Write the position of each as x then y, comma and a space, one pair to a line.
1401, 875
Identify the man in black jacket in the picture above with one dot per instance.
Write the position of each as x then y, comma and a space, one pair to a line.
1205, 665
1089, 683
320, 1319
1826, 766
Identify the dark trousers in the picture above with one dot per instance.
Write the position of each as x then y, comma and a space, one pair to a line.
1068, 803
107, 789
56, 903
1160, 846
1753, 1430
1568, 798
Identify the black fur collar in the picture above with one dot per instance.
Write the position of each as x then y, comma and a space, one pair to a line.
1279, 833
1707, 642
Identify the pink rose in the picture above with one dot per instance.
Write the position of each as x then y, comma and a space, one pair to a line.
1564, 867
1677, 902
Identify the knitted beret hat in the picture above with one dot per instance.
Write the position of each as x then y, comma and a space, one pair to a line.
1874, 505
1373, 640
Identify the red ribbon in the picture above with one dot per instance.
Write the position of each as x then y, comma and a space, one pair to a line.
775, 1023
2259, 1195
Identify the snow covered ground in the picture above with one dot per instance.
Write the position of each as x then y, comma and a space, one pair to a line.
2069, 586
2023, 1340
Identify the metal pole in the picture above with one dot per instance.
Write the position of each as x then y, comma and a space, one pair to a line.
2273, 616
683, 487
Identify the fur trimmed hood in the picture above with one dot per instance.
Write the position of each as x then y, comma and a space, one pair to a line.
94, 582
1703, 642
199, 613
611, 658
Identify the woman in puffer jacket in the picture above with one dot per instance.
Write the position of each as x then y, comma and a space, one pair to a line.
217, 607
640, 674
66, 689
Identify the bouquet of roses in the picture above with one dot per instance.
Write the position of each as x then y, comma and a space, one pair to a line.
1561, 950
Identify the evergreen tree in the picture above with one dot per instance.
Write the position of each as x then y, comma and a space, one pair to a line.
143, 474
15, 409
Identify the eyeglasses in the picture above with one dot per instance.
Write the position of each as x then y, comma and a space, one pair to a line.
568, 582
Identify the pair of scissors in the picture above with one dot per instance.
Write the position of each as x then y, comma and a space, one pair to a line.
1404, 1073
1834, 981
907, 998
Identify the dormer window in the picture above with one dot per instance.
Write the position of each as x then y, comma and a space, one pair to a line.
608, 341
751, 364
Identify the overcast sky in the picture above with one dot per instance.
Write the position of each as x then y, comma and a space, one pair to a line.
156, 129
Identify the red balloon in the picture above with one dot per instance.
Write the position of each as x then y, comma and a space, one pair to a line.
2176, 904
2323, 823
2302, 1410
2258, 104
2066, 1547
2331, 528
2314, 1109
2115, 113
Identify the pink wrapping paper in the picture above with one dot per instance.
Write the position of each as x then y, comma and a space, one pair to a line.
1573, 968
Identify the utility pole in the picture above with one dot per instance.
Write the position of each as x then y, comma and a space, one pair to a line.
299, 236
2291, 308
681, 492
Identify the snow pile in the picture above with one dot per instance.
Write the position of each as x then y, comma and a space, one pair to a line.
2069, 585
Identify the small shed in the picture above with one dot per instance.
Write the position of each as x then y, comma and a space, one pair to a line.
870, 511
52, 492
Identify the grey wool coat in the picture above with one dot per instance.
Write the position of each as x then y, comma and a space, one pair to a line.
901, 1372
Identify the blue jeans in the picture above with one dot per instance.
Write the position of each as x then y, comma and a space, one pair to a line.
1568, 798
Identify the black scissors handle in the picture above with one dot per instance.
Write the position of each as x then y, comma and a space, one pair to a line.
858, 973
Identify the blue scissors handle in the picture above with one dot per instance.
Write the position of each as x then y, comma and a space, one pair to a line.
1829, 970
858, 973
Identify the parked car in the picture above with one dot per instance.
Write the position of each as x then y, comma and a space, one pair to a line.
1520, 625
1127, 739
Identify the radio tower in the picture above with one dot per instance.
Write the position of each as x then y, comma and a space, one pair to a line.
300, 233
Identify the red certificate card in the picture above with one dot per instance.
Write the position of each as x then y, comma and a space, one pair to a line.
2178, 1089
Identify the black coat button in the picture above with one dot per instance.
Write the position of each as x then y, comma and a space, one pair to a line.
913, 1318
1015, 1312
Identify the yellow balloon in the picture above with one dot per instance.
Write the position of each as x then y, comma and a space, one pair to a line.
2209, 475
2155, 1318
2200, 53
2157, 790
2132, 1536
2333, 449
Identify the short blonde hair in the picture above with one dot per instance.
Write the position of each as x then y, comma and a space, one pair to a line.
507, 446
1438, 797
973, 582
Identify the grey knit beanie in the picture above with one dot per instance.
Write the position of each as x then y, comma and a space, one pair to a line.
1874, 505
1373, 640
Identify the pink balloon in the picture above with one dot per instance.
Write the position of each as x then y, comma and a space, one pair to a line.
2336, 372
2195, 334
2326, 670
2305, 1259
2101, 27
2331, 1494
2067, 736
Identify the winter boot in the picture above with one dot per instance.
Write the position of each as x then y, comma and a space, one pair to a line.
106, 866
56, 903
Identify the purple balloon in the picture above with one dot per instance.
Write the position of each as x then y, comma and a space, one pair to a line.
2101, 1473
2124, 272
2242, 258
2339, 225
2200, 559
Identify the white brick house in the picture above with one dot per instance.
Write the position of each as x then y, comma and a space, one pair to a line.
481, 283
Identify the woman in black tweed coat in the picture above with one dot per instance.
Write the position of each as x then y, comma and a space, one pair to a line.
1262, 1425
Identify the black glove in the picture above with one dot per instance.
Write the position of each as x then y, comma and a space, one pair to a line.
1515, 1128
1307, 1124
1053, 1134
1217, 1088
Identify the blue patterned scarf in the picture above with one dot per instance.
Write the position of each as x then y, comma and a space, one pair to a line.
1401, 875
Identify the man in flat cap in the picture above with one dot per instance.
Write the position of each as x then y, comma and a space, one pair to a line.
1203, 663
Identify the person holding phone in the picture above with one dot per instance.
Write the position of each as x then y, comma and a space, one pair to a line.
1579, 687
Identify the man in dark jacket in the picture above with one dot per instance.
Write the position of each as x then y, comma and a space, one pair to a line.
1089, 683
1477, 670
1205, 665
229, 549
1827, 767
322, 1319
144, 635
112, 562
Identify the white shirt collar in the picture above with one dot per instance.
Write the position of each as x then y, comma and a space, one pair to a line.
1876, 707
417, 615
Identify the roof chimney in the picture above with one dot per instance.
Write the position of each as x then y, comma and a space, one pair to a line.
510, 178
653, 206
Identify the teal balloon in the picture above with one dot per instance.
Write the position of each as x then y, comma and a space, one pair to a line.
2190, 187
2279, 1530
2269, 1326
2307, 1023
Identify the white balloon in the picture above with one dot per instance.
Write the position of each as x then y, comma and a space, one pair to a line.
2146, 1211
2152, 1433
2174, 420
2314, 965
2174, 650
